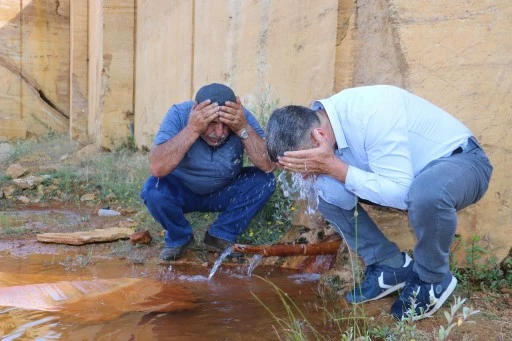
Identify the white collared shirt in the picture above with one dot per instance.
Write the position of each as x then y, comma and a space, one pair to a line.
387, 136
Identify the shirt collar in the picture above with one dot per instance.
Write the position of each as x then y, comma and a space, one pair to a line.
327, 105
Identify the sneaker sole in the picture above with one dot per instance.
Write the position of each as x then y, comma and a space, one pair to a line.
440, 302
382, 294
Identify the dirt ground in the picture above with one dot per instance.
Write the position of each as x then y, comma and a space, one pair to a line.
494, 322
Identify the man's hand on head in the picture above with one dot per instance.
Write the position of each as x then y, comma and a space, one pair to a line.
201, 115
232, 114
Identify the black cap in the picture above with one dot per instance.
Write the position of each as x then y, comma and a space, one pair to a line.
216, 92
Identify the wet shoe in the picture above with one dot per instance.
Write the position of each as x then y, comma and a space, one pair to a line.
215, 244
175, 252
426, 298
380, 281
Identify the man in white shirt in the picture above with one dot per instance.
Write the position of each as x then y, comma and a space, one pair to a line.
388, 147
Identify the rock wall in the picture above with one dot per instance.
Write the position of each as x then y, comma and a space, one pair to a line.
456, 55
34, 67
265, 50
78, 65
108, 70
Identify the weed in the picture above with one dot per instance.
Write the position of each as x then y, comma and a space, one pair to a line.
121, 248
451, 316
10, 225
13, 231
137, 258
78, 262
119, 174
21, 147
296, 327
357, 326
271, 223
480, 273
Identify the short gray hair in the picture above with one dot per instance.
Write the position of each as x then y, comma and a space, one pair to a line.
289, 128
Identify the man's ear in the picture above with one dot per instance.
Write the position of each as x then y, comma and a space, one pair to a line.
318, 135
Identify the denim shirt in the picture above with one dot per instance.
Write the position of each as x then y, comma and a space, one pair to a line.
204, 168
387, 136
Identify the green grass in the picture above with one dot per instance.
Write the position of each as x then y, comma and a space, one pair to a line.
10, 225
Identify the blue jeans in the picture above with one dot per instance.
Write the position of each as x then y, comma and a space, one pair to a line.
167, 200
442, 188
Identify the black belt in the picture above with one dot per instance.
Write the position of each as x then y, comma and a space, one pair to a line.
469, 147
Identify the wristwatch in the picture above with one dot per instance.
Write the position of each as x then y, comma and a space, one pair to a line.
244, 134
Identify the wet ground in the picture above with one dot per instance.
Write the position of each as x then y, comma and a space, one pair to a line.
98, 291
224, 308
103, 291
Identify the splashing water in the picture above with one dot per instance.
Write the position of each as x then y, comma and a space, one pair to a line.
255, 260
300, 188
218, 262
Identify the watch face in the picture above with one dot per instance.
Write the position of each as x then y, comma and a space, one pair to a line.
244, 134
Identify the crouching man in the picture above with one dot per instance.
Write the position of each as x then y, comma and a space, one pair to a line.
197, 166
391, 148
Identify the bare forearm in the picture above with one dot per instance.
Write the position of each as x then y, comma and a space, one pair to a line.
256, 150
165, 157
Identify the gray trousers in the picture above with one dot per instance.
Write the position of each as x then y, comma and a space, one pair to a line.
442, 188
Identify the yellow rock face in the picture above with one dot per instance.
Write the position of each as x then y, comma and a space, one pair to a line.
116, 73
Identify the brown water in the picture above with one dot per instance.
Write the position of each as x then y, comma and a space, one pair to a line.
40, 298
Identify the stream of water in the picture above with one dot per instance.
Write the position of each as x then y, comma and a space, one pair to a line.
298, 187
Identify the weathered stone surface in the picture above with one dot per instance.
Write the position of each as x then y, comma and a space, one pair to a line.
23, 199
271, 54
88, 197
111, 76
78, 111
86, 237
8, 191
11, 124
465, 68
29, 182
141, 237
34, 68
15, 171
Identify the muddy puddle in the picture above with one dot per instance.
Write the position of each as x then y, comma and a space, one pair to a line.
115, 299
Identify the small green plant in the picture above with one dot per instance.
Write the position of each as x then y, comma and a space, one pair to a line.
137, 258
119, 174
21, 147
121, 248
480, 273
13, 231
271, 223
455, 319
10, 225
296, 327
77, 262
